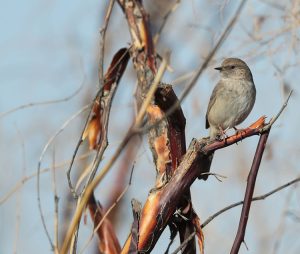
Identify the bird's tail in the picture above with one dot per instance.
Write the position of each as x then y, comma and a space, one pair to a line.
205, 167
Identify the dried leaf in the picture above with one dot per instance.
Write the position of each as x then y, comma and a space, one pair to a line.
93, 129
115, 69
109, 243
113, 74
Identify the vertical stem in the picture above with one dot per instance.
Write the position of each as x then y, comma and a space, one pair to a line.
249, 192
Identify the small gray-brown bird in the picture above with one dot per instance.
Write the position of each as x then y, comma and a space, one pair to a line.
232, 98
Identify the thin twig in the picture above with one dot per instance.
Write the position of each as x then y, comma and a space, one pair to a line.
273, 120
33, 104
25, 179
214, 50
260, 197
54, 189
85, 172
19, 197
217, 176
184, 243
102, 42
165, 19
79, 143
282, 222
39, 169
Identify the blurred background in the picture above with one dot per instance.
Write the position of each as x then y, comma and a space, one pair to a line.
49, 71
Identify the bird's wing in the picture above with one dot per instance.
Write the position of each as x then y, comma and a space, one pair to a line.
212, 100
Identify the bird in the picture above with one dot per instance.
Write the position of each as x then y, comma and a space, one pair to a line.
232, 98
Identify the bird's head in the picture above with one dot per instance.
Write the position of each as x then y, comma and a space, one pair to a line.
235, 68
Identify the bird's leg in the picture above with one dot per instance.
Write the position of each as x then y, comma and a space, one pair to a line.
222, 135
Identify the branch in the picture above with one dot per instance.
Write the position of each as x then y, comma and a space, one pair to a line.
249, 192
25, 178
33, 104
273, 120
194, 163
252, 180
102, 42
261, 197
183, 244
165, 19
214, 50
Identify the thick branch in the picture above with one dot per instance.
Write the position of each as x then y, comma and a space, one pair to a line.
167, 139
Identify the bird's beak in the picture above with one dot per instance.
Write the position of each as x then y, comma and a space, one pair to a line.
218, 68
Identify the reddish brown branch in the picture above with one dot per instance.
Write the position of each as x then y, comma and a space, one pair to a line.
249, 192
167, 139
165, 98
162, 203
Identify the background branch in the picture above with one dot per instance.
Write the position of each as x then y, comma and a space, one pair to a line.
261, 197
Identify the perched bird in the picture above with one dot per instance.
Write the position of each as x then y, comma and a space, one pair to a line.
232, 98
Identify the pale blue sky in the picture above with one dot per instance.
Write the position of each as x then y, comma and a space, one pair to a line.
47, 50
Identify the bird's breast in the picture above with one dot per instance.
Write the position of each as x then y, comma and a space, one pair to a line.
234, 101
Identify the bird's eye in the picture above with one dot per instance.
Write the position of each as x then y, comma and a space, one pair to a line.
232, 66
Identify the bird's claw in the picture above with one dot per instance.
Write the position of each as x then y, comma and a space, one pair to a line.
222, 135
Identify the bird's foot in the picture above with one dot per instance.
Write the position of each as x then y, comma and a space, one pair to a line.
222, 134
